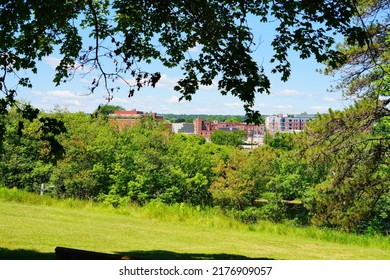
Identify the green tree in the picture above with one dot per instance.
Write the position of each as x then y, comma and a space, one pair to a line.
26, 156
89, 152
233, 186
281, 141
355, 141
230, 138
190, 161
234, 119
140, 168
357, 185
107, 109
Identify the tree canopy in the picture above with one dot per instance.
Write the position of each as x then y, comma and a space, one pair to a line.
233, 138
125, 33
107, 109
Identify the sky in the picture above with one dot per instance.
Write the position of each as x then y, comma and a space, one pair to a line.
305, 91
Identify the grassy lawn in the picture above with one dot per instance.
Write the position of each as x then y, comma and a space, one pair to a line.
32, 230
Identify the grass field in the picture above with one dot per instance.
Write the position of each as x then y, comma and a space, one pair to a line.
32, 226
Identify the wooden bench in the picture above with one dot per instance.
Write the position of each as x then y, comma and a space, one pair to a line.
63, 253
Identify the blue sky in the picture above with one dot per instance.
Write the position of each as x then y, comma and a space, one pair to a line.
306, 90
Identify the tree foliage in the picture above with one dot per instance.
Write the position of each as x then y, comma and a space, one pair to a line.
281, 141
124, 34
26, 154
341, 179
107, 109
365, 72
357, 183
233, 186
356, 141
231, 138
84, 171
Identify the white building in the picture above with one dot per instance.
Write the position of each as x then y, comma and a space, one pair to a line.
287, 123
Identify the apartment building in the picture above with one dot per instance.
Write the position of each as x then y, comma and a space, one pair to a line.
287, 123
186, 128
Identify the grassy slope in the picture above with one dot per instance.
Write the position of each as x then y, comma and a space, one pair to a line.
31, 231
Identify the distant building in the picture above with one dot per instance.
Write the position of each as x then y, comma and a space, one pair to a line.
127, 118
186, 128
206, 128
287, 123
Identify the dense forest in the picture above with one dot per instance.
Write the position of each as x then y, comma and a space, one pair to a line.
307, 178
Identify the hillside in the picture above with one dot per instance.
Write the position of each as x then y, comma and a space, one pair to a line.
32, 226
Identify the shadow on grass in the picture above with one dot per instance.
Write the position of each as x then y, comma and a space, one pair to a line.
168, 255
21, 254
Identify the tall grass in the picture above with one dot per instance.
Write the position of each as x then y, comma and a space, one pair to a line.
199, 217
16, 195
21, 196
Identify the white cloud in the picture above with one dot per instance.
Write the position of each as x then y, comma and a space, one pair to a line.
52, 61
203, 110
167, 82
261, 105
284, 107
289, 92
330, 99
320, 109
197, 48
65, 94
233, 105
194, 49
164, 108
172, 99
213, 86
73, 101
139, 102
